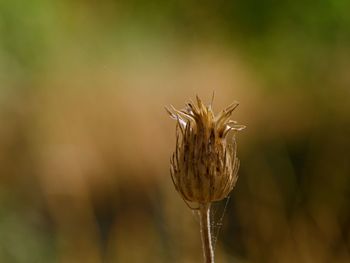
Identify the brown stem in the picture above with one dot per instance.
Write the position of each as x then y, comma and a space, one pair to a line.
204, 215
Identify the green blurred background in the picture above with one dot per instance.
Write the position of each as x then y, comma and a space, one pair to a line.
85, 141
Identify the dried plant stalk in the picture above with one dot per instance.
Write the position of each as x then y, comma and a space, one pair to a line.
204, 217
204, 165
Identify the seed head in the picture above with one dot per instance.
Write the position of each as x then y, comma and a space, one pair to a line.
204, 165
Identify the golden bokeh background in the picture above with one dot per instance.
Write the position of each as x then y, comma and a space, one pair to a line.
85, 141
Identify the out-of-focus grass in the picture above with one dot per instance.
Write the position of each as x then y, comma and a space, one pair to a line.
85, 143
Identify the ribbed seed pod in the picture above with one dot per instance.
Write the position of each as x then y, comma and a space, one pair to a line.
204, 164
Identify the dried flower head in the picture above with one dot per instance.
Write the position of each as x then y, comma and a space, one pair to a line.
204, 165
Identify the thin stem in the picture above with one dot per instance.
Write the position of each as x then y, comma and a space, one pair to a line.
204, 215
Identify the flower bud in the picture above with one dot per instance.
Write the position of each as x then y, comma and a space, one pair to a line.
204, 165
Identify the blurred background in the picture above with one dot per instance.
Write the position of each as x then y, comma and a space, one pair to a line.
85, 141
